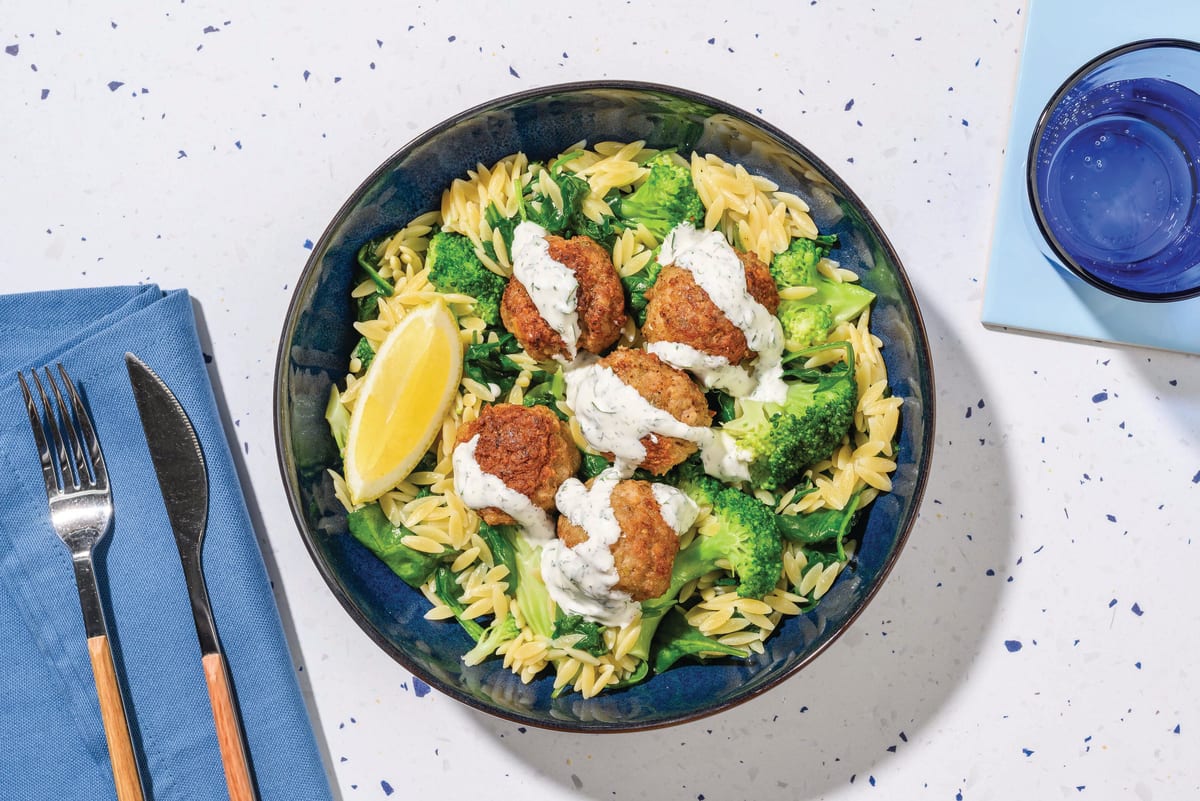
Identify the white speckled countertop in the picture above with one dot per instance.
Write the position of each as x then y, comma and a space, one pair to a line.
1039, 635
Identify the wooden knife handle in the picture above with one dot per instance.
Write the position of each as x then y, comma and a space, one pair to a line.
116, 726
229, 729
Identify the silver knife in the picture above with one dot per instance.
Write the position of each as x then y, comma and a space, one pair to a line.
183, 479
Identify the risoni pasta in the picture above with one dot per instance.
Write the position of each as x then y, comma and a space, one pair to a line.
755, 216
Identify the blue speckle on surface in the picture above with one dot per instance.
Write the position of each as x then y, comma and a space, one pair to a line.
115, 85
1100, 397
12, 50
46, 93
1112, 603
712, 41
1195, 478
1176, 729
1111, 518
849, 104
1012, 645
211, 29
308, 245
387, 788
966, 124
420, 688
1137, 610
1027, 751
513, 73
307, 74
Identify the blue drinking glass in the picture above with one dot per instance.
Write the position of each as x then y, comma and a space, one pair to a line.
1113, 171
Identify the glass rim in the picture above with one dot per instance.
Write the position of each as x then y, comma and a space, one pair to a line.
1033, 195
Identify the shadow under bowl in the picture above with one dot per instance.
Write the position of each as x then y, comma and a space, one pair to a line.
318, 336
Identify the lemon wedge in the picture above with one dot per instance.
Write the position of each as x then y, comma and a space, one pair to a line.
406, 394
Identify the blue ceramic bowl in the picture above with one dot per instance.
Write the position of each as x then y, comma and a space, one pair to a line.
317, 337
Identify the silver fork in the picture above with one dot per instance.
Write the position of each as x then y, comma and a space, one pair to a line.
81, 511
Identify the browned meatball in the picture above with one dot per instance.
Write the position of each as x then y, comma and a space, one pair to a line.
678, 310
670, 390
600, 302
645, 552
526, 447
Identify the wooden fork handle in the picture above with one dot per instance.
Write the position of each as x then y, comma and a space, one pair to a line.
116, 725
229, 729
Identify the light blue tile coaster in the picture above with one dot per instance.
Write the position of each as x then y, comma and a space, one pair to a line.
1027, 287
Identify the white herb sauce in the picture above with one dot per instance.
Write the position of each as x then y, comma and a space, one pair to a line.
551, 285
716, 269
479, 489
677, 509
614, 417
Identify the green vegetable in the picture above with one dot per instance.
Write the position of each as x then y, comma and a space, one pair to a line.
781, 439
678, 639
367, 307
498, 633
488, 363
797, 266
590, 637
454, 268
822, 525
447, 589
667, 198
537, 606
592, 465
605, 232
370, 526
338, 417
637, 285
808, 321
541, 209
364, 352
369, 262
805, 324
546, 389
500, 544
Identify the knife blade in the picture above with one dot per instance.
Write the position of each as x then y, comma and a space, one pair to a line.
183, 479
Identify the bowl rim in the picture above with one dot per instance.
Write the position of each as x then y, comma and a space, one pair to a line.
1032, 193
281, 417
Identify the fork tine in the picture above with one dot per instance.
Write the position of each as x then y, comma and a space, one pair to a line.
71, 444
39, 437
63, 463
90, 441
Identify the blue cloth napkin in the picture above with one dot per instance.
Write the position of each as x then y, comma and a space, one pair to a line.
54, 745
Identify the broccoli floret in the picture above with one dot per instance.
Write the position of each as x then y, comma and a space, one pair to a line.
834, 301
454, 267
667, 198
494, 636
797, 266
745, 539
805, 324
779, 440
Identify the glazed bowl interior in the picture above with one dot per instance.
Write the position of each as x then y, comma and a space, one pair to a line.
318, 336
